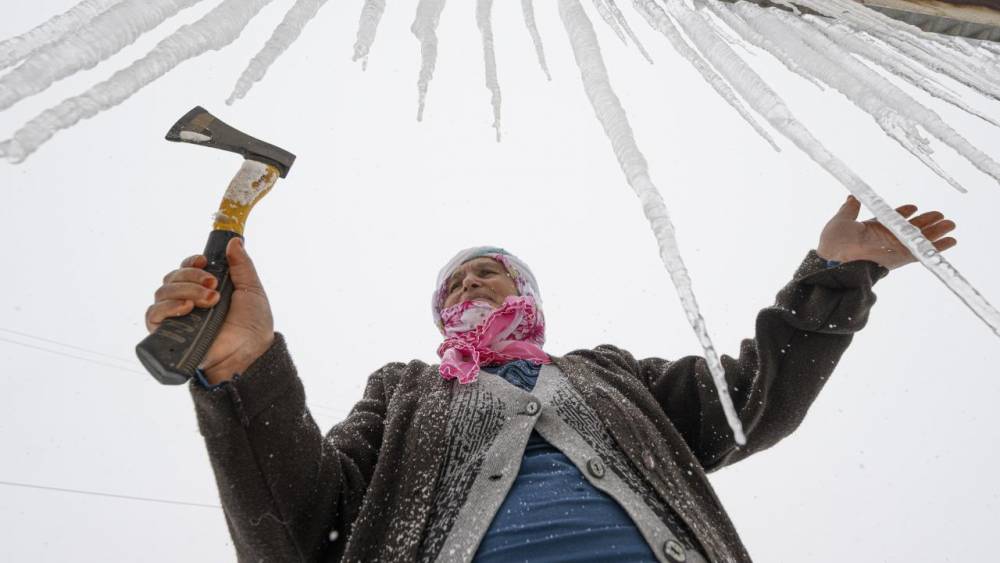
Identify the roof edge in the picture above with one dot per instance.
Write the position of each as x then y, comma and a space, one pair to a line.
972, 19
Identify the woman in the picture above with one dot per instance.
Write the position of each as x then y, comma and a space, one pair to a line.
504, 452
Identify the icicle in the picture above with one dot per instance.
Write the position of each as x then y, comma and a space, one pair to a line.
738, 25
845, 67
725, 35
943, 45
892, 32
105, 35
605, 12
425, 28
864, 87
16, 48
768, 104
215, 30
658, 20
483, 21
371, 15
620, 18
291, 26
612, 117
529, 21
990, 47
891, 61
935, 45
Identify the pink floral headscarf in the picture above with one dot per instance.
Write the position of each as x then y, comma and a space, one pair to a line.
476, 334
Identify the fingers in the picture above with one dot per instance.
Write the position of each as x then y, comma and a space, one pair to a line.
241, 268
195, 261
945, 244
906, 210
191, 275
849, 210
938, 230
159, 312
926, 219
186, 291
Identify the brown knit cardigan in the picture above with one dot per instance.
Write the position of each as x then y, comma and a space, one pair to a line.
363, 491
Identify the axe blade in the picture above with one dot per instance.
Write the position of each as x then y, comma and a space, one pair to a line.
199, 127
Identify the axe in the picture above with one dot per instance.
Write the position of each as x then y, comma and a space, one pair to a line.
172, 353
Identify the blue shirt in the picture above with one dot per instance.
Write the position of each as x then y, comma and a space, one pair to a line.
552, 513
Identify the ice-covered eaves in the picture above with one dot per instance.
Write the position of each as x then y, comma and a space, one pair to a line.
726, 13
425, 29
766, 102
216, 29
528, 10
613, 119
895, 20
892, 61
912, 42
623, 23
484, 21
659, 21
20, 46
105, 34
371, 15
894, 110
291, 26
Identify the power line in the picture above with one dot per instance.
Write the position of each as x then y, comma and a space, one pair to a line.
91, 360
65, 345
109, 495
74, 356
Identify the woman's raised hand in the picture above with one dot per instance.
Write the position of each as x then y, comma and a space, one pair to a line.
248, 330
845, 238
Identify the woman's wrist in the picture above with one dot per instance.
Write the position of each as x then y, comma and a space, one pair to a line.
237, 363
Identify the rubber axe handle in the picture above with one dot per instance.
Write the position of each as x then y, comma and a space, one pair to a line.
174, 350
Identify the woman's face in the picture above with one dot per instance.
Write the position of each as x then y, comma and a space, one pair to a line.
482, 279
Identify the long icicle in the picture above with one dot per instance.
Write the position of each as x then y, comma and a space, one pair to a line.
371, 15
218, 28
891, 61
291, 26
623, 23
658, 20
859, 83
528, 9
105, 35
20, 46
425, 29
739, 25
759, 95
864, 87
484, 21
616, 125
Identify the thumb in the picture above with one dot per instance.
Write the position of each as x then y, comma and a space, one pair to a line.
241, 268
850, 210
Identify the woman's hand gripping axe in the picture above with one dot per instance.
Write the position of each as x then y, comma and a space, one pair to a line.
172, 353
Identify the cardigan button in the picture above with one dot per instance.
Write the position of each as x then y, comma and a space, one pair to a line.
648, 460
596, 468
674, 551
532, 407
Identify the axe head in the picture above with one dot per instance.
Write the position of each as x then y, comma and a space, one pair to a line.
199, 127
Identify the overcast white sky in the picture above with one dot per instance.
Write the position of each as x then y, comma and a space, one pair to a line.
895, 462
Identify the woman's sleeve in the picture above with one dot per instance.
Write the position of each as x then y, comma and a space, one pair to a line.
778, 373
287, 490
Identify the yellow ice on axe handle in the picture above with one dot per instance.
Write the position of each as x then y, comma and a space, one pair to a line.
172, 353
